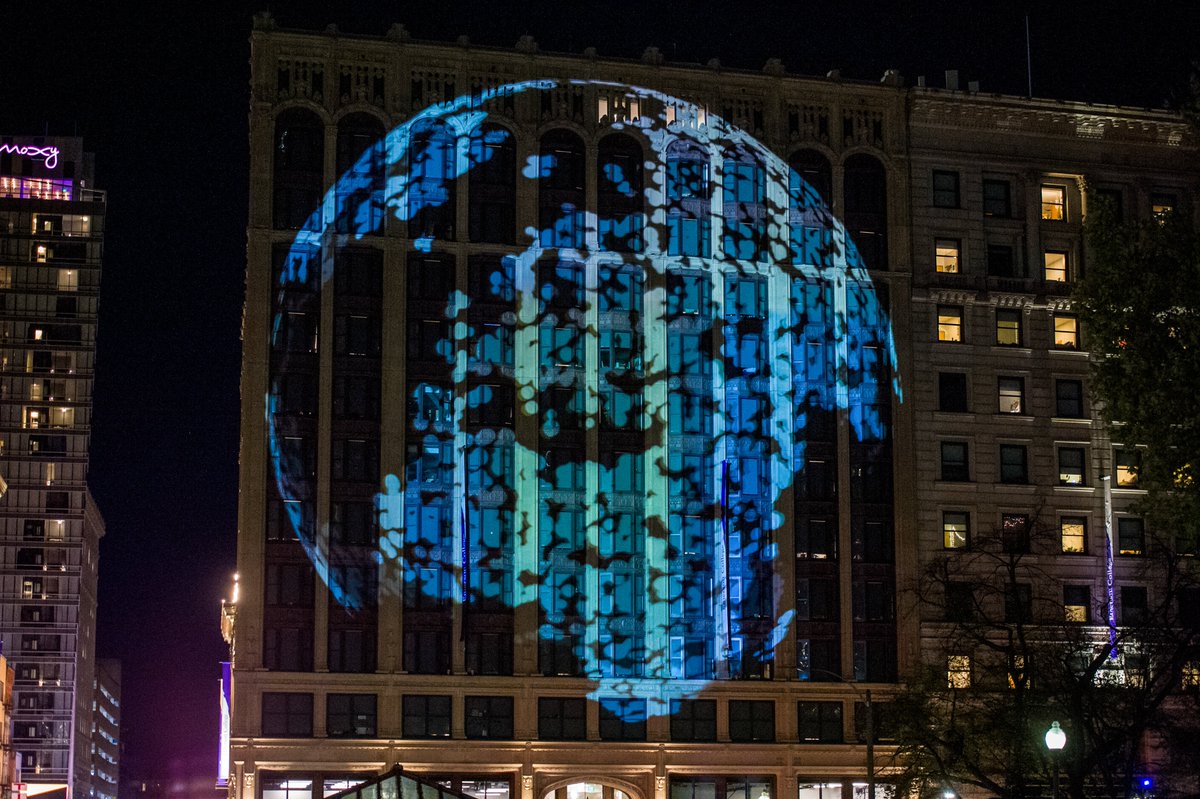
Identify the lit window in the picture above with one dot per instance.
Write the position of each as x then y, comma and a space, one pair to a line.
954, 461
1129, 464
1190, 674
1066, 332
1011, 395
950, 323
1017, 673
1054, 202
946, 255
1131, 536
41, 253
958, 671
955, 529
1161, 205
68, 280
1056, 266
1008, 328
1071, 470
945, 189
1077, 603
1074, 534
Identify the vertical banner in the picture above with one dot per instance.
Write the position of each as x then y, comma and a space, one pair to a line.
226, 685
1109, 581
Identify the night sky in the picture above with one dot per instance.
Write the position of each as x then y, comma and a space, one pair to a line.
161, 97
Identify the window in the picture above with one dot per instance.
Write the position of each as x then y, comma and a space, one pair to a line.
1000, 261
1071, 468
1008, 328
350, 715
954, 461
958, 671
952, 392
1056, 266
1133, 604
562, 719
1073, 532
1129, 465
1190, 675
1114, 201
1077, 603
1013, 463
819, 722
1131, 536
426, 716
1161, 205
956, 529
287, 715
489, 717
622, 719
751, 721
946, 255
960, 602
1018, 603
1066, 332
1054, 203
945, 189
1011, 394
997, 198
1014, 533
950, 322
693, 720
1068, 399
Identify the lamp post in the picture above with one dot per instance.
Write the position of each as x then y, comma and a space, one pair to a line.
1056, 739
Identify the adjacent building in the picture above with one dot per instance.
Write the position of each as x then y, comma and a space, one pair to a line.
106, 729
51, 238
595, 449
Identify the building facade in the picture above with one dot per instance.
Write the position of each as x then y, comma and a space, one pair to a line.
105, 767
595, 438
51, 237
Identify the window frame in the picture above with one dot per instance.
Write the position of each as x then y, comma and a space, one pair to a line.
944, 328
962, 541
1048, 205
1005, 473
1006, 313
946, 196
947, 244
964, 464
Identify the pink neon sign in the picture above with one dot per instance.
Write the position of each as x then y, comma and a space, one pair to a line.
50, 154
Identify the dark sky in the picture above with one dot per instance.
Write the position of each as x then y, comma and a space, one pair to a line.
161, 97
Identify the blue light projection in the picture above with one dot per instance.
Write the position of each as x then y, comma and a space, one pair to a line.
608, 422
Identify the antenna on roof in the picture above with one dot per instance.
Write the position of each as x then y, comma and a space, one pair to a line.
1028, 58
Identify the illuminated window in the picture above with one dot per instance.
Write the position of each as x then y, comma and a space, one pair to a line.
958, 671
1008, 328
945, 189
946, 255
997, 198
1068, 399
1131, 536
956, 529
68, 280
1129, 464
1056, 269
1190, 675
1014, 463
1066, 332
1073, 531
1162, 205
954, 461
1011, 392
1017, 673
1071, 466
1054, 202
1077, 603
950, 322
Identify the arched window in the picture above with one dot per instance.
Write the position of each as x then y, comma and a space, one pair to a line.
744, 202
431, 189
492, 190
689, 224
619, 196
360, 169
299, 167
865, 217
561, 190
810, 189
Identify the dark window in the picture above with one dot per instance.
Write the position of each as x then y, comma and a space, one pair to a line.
751, 721
1018, 603
1068, 399
1014, 533
1114, 202
426, 652
960, 602
954, 461
562, 719
1131, 536
289, 585
491, 191
288, 648
997, 198
287, 715
622, 719
1014, 466
819, 722
426, 716
1000, 261
1133, 604
489, 717
358, 273
945, 189
952, 392
352, 650
693, 720
350, 715
1077, 603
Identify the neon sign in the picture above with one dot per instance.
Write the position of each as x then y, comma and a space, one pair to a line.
49, 153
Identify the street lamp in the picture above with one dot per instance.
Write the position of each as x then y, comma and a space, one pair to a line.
1056, 739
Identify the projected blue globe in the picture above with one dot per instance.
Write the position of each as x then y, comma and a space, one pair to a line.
608, 421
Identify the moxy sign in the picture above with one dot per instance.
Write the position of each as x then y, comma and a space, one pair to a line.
48, 153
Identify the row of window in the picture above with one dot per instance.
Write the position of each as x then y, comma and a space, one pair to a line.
953, 396
1013, 463
1008, 329
1015, 532
1053, 196
1057, 265
562, 718
962, 604
963, 671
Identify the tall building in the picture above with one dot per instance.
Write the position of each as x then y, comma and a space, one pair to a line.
599, 416
105, 767
51, 234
